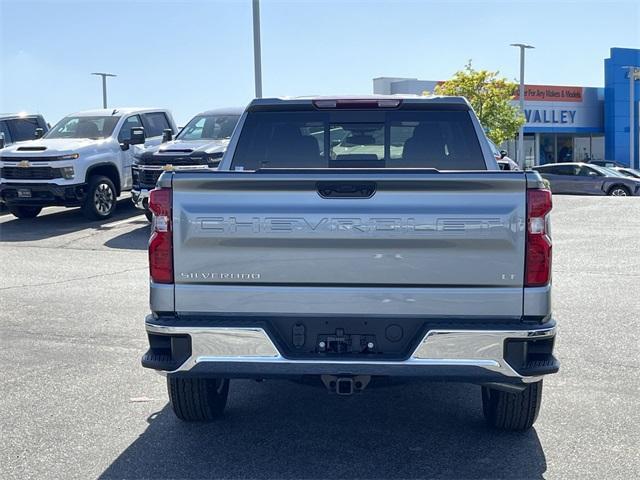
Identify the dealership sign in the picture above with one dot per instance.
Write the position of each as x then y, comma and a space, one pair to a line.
550, 116
565, 108
551, 93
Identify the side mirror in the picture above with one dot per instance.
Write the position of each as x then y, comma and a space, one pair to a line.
1, 139
39, 133
503, 153
167, 135
137, 136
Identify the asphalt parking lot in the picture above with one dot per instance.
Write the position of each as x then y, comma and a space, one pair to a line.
75, 402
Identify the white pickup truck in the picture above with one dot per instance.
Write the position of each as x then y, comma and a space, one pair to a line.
84, 160
351, 239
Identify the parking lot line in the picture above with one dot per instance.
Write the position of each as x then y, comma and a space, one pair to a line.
123, 222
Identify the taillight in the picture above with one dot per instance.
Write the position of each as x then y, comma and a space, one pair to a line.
538, 254
161, 242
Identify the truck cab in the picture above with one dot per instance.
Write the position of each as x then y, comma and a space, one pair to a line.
200, 144
19, 127
84, 160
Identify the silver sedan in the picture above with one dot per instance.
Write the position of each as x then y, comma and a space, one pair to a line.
588, 179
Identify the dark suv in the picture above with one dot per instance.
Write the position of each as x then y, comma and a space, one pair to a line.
19, 127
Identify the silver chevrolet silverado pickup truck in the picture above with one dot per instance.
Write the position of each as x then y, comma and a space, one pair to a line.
348, 241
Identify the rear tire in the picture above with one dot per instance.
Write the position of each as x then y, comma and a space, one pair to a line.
198, 399
101, 199
619, 191
148, 214
513, 412
24, 212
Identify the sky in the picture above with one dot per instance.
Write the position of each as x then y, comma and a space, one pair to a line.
193, 55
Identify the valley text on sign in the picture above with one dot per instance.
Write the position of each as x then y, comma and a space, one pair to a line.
549, 116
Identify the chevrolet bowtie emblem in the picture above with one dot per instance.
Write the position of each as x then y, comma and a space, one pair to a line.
168, 167
24, 164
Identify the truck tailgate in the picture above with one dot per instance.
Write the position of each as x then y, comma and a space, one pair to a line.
447, 243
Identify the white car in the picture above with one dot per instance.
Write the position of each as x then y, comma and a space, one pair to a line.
84, 160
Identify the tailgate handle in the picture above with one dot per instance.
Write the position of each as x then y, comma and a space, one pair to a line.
346, 189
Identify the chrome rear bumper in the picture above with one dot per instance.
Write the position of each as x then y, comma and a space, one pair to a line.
140, 198
249, 351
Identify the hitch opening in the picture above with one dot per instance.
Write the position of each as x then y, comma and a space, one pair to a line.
345, 385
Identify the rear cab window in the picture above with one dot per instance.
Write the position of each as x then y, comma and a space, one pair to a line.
377, 138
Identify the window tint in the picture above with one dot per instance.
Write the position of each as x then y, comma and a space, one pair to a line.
156, 123
445, 140
129, 123
23, 128
5, 130
587, 172
431, 139
282, 140
356, 145
557, 170
566, 170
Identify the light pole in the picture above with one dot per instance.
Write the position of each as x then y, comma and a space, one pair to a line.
634, 74
522, 47
104, 86
257, 59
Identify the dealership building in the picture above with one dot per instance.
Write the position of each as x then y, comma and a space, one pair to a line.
567, 123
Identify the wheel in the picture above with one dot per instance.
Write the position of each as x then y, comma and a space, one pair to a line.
101, 198
198, 399
24, 212
515, 412
619, 191
148, 214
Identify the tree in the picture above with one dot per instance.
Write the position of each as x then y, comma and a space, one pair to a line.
490, 96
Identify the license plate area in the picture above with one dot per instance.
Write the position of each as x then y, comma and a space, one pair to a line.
371, 338
24, 193
340, 342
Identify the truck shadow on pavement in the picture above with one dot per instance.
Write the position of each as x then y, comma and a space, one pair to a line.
137, 239
283, 430
49, 225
